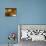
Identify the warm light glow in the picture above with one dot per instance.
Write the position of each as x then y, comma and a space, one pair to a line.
9, 10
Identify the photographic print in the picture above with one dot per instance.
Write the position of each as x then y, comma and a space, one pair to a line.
10, 11
33, 32
29, 34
